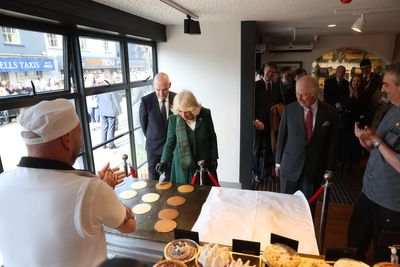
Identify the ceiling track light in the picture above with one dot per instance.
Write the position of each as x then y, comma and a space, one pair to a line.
190, 26
359, 24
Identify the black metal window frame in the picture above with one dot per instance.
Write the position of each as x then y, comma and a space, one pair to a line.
73, 70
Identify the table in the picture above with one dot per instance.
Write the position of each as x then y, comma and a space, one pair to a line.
253, 215
145, 243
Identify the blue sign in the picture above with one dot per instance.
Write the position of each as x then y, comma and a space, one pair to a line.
25, 64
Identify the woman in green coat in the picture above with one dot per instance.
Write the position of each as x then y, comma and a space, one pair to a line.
190, 138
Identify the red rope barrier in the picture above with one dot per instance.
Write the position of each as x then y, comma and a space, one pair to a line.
319, 192
194, 179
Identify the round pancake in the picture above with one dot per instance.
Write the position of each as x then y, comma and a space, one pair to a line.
186, 188
121, 183
141, 208
171, 214
127, 194
150, 197
164, 185
138, 185
176, 201
165, 226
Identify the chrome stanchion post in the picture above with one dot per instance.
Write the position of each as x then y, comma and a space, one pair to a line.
202, 171
328, 177
125, 158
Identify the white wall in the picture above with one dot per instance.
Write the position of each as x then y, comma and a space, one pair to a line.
209, 66
382, 45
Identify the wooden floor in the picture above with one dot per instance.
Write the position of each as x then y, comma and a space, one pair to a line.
344, 194
339, 214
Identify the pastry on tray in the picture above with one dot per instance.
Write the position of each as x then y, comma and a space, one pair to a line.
214, 256
279, 255
184, 250
170, 263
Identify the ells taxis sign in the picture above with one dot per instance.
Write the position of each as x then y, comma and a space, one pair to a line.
25, 64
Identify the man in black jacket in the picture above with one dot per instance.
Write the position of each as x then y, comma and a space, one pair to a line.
267, 94
153, 112
336, 89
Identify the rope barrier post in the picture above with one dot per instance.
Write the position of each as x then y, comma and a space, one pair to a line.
328, 177
201, 163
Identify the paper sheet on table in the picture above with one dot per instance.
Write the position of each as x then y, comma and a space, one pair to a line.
253, 215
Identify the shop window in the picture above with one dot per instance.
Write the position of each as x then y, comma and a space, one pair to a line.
108, 118
140, 139
140, 62
31, 63
10, 35
100, 69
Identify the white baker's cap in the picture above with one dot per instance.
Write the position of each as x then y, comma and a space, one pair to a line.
49, 120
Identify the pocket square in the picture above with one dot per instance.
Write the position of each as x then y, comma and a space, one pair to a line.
326, 123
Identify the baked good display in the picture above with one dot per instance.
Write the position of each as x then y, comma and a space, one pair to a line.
349, 263
279, 255
214, 256
314, 263
239, 263
184, 250
170, 263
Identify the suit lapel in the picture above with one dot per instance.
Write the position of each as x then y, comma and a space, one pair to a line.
318, 120
199, 121
299, 116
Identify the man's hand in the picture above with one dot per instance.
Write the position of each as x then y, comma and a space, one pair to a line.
112, 176
259, 125
366, 135
161, 167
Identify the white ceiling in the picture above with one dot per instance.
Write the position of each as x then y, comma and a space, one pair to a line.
276, 17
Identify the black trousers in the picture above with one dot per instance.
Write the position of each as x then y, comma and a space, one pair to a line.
152, 161
367, 223
262, 162
305, 186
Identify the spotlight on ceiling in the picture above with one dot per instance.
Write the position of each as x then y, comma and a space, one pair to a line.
191, 26
359, 24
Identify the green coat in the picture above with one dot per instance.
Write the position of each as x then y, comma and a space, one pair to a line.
203, 144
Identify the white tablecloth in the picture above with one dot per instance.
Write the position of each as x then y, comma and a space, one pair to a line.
253, 215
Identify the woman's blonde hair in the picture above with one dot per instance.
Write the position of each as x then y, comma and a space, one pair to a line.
185, 101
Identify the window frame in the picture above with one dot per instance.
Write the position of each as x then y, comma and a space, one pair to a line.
73, 70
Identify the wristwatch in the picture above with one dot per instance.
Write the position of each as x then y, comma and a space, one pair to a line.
377, 142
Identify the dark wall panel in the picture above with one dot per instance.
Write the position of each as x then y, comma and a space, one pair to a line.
247, 58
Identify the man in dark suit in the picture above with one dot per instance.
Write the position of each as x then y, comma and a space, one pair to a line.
305, 141
336, 89
267, 94
371, 82
153, 112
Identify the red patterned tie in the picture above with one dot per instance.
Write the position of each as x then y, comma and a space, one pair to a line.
309, 124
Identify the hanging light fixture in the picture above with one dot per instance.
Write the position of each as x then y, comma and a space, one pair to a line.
359, 24
190, 26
